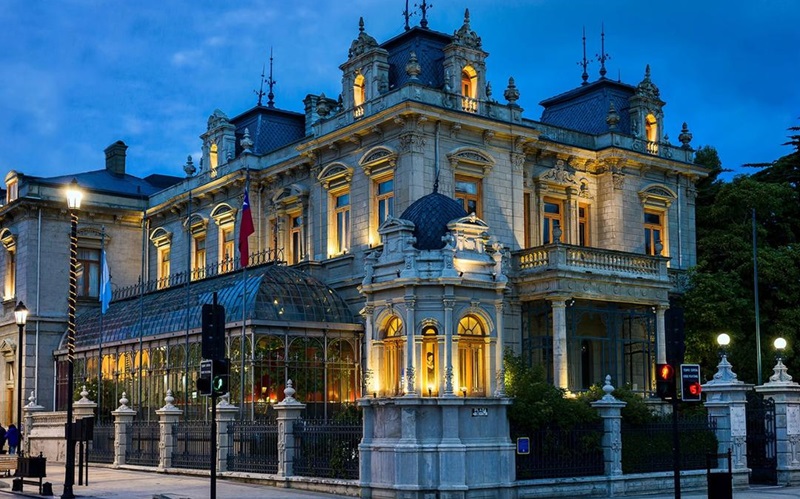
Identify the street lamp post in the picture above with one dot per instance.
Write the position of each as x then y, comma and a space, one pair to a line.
21, 316
74, 196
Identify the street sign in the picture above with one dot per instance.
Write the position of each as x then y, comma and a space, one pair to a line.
204, 381
523, 445
690, 383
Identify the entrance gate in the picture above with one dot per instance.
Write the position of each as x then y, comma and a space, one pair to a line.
761, 442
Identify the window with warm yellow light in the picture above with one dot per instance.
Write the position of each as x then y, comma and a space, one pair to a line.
296, 238
359, 91
213, 158
163, 267
341, 215
553, 211
226, 248
385, 200
653, 232
199, 256
468, 193
471, 362
469, 89
393, 355
430, 368
651, 128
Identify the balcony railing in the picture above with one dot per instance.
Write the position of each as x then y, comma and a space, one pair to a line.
469, 104
594, 260
210, 270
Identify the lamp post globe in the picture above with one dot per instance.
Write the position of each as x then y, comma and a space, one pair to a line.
21, 317
74, 197
724, 340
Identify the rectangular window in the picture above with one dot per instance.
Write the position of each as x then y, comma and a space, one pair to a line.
526, 219
552, 222
468, 192
11, 275
199, 263
297, 239
12, 192
227, 248
653, 233
385, 200
583, 225
342, 212
163, 267
89, 273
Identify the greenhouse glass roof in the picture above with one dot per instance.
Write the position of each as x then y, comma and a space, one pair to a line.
273, 293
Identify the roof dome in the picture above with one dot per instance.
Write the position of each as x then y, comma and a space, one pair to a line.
430, 215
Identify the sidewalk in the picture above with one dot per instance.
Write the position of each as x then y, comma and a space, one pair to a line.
109, 483
756, 492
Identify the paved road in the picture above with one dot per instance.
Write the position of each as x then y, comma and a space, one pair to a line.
107, 483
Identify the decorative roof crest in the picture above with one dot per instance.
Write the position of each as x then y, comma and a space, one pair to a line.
465, 36
217, 118
363, 43
647, 88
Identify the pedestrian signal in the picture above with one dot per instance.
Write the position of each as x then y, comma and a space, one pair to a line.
665, 381
690, 383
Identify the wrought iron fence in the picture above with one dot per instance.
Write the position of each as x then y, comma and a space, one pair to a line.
327, 449
143, 442
102, 450
648, 448
254, 446
558, 452
192, 444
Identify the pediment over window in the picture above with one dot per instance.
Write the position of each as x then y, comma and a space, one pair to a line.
657, 196
196, 223
378, 159
9, 239
223, 213
335, 175
467, 159
290, 194
160, 237
8, 348
395, 223
90, 237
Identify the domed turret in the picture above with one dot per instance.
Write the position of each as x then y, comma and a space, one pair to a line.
430, 215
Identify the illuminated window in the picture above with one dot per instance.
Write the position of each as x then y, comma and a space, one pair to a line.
583, 225
227, 248
394, 346
199, 260
468, 193
213, 160
359, 91
342, 215
89, 275
430, 369
653, 232
11, 275
296, 234
163, 267
552, 220
469, 89
471, 345
12, 191
651, 128
385, 200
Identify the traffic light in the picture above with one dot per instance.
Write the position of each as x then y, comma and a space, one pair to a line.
220, 380
690, 383
665, 381
212, 322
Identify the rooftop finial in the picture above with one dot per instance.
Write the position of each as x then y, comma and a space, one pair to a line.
406, 15
602, 56
424, 8
361, 24
584, 63
271, 83
260, 91
466, 16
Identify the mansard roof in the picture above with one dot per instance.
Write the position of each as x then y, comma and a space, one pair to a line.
428, 45
585, 108
106, 181
270, 128
430, 215
273, 293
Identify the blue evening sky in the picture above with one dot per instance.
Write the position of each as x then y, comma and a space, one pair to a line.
78, 75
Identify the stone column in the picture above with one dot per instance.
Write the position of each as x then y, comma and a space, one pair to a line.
84, 408
411, 386
661, 336
123, 417
288, 412
610, 409
560, 378
448, 303
786, 394
28, 411
726, 397
167, 417
369, 381
500, 384
226, 414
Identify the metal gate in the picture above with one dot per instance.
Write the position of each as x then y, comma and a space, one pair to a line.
761, 443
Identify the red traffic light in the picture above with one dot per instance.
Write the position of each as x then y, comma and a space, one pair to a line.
666, 372
695, 389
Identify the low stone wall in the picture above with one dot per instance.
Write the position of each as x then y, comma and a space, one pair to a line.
47, 436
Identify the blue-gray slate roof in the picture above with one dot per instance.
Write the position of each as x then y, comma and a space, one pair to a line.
270, 128
428, 45
106, 181
585, 108
430, 215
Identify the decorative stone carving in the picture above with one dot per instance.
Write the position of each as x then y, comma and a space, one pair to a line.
217, 118
612, 118
647, 88
465, 36
512, 93
685, 137
413, 69
323, 108
246, 142
363, 43
559, 174
412, 142
189, 167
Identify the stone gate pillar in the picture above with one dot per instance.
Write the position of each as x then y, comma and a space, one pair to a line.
289, 411
29, 410
123, 417
226, 414
726, 397
786, 394
167, 417
610, 409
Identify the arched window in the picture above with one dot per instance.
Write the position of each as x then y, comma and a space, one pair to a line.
393, 357
471, 361
213, 159
469, 89
430, 370
359, 95
651, 128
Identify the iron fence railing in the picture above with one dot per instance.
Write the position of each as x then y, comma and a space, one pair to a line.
192, 449
254, 446
327, 449
102, 450
558, 452
647, 448
144, 439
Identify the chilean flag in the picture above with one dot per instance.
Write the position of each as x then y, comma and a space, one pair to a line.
246, 229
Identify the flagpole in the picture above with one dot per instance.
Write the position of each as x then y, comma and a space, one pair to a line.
188, 296
103, 264
245, 229
755, 292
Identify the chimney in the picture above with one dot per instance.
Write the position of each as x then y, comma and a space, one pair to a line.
115, 157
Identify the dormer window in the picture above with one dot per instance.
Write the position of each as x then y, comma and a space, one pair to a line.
651, 128
12, 191
359, 95
213, 159
469, 89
